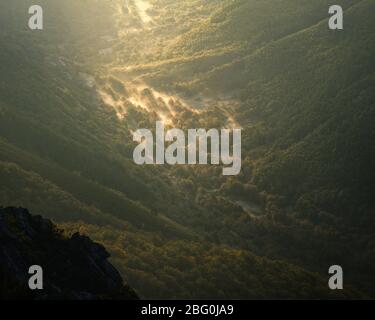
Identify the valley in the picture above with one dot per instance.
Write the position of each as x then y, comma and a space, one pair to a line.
70, 103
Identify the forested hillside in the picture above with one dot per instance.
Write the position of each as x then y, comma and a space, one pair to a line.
306, 103
308, 98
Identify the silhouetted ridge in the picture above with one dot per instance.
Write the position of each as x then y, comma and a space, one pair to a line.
73, 268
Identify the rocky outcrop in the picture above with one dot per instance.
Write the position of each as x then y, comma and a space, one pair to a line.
73, 268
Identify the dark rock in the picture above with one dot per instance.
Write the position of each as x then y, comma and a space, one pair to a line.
73, 268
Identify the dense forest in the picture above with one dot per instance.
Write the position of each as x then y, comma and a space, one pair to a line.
72, 94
